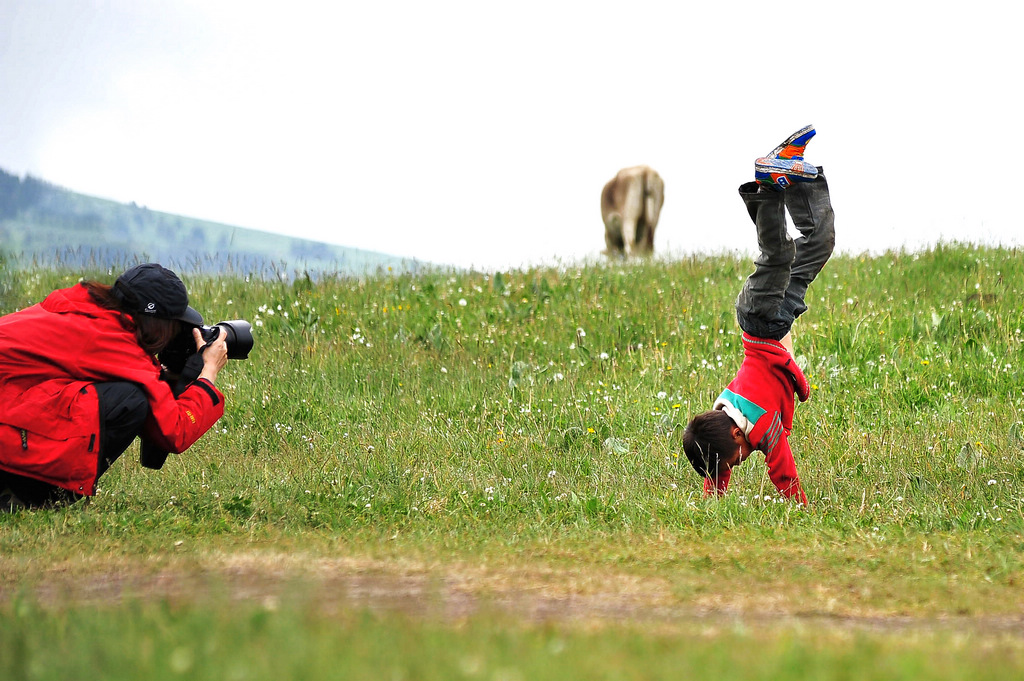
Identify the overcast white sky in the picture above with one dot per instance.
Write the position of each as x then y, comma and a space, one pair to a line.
480, 133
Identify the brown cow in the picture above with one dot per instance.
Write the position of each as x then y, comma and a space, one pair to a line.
630, 206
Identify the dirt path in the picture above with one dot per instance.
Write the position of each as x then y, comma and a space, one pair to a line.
454, 593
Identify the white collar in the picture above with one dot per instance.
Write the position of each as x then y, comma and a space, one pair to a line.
735, 414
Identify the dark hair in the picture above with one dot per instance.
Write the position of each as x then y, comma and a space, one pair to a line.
152, 333
707, 439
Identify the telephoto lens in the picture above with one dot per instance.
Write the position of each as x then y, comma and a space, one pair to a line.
238, 335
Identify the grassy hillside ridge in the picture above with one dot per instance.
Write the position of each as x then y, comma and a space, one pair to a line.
42, 224
589, 371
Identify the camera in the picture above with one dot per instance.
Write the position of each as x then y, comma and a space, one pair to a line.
238, 335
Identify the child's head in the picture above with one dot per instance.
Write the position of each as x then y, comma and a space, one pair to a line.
712, 441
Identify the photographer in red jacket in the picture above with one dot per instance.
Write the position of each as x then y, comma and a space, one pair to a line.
80, 380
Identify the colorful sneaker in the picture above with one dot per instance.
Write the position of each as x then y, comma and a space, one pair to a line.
785, 164
794, 145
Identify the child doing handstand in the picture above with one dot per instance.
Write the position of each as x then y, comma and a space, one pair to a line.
755, 411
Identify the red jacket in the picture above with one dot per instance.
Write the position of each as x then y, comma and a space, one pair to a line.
761, 400
50, 355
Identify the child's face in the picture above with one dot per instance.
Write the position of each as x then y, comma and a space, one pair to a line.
743, 450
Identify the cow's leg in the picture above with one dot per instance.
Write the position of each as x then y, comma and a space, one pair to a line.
632, 209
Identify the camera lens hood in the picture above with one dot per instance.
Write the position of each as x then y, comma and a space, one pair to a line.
238, 334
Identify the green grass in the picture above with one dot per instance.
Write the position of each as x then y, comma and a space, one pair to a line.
294, 641
519, 432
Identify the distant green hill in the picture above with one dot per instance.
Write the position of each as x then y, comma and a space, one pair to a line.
45, 225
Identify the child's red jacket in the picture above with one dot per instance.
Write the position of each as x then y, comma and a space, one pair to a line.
761, 402
50, 355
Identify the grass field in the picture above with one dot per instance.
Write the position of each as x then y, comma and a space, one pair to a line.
464, 475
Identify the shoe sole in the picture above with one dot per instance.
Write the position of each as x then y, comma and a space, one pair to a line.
785, 166
10, 503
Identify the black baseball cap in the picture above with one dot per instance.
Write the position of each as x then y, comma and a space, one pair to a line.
151, 289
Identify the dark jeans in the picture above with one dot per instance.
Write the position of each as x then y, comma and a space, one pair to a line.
123, 411
773, 296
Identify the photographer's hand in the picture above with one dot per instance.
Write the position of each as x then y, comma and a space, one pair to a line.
215, 356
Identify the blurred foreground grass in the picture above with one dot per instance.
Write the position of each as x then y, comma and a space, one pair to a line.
291, 641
